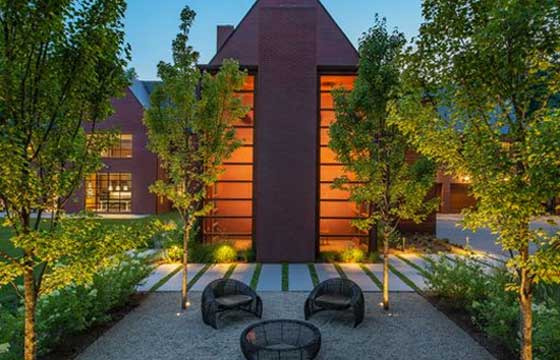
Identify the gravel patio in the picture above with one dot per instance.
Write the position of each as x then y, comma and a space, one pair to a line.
413, 329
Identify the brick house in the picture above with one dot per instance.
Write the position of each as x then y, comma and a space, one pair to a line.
275, 193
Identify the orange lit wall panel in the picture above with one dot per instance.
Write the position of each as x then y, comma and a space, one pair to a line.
336, 211
232, 196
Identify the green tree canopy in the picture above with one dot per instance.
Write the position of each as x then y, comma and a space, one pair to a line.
483, 83
61, 62
392, 180
190, 127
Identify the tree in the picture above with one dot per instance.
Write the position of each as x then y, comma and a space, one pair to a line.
190, 128
367, 141
60, 64
483, 82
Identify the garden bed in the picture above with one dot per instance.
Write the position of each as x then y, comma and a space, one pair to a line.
73, 345
464, 320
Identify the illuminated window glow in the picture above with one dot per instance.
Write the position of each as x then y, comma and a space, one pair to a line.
121, 150
232, 196
109, 192
336, 211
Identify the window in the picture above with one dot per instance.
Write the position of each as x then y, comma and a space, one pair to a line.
336, 210
109, 192
121, 150
232, 195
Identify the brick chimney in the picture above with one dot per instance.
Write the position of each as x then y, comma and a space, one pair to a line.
224, 31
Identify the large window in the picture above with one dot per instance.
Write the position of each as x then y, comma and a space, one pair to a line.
109, 192
122, 149
232, 196
336, 211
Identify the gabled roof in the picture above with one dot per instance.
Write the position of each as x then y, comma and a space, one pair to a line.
333, 46
140, 92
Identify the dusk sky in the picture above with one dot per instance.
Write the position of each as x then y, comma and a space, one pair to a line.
151, 25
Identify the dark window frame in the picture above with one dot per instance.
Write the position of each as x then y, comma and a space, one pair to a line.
208, 221
116, 151
323, 109
104, 201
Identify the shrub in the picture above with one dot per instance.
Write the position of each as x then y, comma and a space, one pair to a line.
374, 257
329, 256
11, 334
247, 255
459, 282
352, 255
224, 253
174, 253
201, 253
75, 308
495, 310
546, 332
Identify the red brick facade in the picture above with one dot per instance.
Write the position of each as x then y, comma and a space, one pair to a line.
143, 165
288, 46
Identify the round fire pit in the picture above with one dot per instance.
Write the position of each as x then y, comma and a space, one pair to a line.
281, 340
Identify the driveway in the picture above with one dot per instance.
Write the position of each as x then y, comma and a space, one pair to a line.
448, 227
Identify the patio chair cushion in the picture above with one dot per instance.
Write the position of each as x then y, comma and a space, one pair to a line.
234, 300
328, 300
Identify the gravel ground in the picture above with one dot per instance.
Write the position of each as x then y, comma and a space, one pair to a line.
412, 330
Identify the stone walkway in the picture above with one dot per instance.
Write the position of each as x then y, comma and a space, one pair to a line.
412, 329
405, 269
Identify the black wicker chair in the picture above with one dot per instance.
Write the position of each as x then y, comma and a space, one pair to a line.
336, 294
225, 295
281, 340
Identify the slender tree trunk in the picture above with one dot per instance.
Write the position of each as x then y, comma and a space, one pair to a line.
385, 268
184, 286
525, 303
30, 341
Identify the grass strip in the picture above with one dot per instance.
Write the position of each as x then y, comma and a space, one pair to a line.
313, 274
405, 279
468, 257
285, 277
432, 261
340, 271
198, 276
482, 262
255, 278
372, 276
165, 279
230, 271
477, 259
422, 271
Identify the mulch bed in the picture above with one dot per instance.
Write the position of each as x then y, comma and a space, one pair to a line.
73, 345
462, 319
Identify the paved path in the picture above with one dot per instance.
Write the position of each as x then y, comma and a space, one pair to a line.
326, 271
395, 282
412, 329
174, 284
244, 272
299, 278
448, 227
356, 274
410, 266
411, 272
159, 273
213, 273
271, 278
